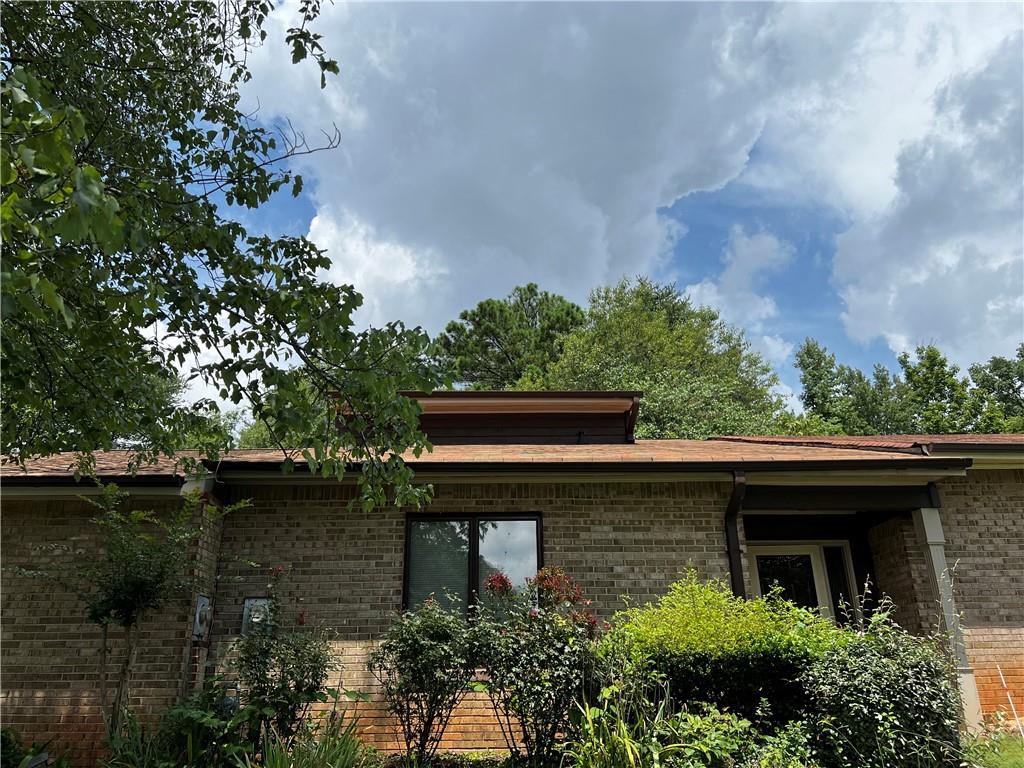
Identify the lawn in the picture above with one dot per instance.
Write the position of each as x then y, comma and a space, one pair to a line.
1010, 754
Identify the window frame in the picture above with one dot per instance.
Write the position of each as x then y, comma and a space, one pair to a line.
473, 519
815, 548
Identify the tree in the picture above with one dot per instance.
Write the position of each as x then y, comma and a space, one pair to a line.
942, 401
699, 376
845, 398
1003, 379
495, 344
124, 152
142, 566
930, 396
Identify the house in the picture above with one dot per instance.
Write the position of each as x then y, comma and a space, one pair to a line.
524, 480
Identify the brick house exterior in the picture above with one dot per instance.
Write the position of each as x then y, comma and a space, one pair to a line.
624, 517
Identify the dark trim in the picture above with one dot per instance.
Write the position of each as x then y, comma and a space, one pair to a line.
631, 416
933, 496
474, 543
732, 535
875, 498
125, 481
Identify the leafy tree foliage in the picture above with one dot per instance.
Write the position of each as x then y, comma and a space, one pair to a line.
927, 396
1003, 379
124, 150
699, 376
498, 342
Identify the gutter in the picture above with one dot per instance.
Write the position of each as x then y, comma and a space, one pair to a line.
732, 533
86, 484
626, 467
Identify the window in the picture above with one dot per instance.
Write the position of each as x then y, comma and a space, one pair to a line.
455, 555
811, 574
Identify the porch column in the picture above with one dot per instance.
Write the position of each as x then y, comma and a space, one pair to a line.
928, 525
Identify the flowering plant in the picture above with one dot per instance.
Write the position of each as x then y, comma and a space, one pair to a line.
536, 651
498, 584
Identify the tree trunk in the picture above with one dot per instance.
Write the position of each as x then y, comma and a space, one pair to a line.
124, 680
104, 692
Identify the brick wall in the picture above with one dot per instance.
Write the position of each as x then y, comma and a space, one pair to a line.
345, 565
345, 574
899, 574
51, 652
983, 521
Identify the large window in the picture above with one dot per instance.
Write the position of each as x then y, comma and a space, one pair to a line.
811, 574
453, 556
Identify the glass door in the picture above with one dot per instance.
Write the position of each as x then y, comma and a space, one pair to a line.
798, 570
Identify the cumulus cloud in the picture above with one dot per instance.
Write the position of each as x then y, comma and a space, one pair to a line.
489, 145
518, 143
943, 262
737, 292
386, 272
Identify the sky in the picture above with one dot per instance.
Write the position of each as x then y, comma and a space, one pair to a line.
851, 173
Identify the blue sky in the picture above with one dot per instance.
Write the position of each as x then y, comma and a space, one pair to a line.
847, 172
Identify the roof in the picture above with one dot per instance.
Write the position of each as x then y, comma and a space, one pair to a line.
643, 455
921, 444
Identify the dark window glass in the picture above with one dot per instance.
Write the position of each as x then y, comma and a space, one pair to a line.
438, 561
793, 573
457, 556
841, 596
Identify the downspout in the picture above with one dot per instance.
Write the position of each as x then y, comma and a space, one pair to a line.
732, 533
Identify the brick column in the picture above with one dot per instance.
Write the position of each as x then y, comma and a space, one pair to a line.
928, 524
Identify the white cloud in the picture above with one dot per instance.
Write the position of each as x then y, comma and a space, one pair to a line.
382, 269
489, 145
737, 294
943, 262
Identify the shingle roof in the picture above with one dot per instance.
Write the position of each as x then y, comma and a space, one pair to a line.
911, 443
643, 454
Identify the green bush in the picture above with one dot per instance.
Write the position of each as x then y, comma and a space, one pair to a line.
425, 663
744, 656
281, 673
885, 699
537, 653
204, 729
626, 731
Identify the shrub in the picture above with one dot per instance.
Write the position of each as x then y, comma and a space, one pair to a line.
744, 656
885, 698
11, 748
281, 673
626, 731
424, 663
204, 729
537, 653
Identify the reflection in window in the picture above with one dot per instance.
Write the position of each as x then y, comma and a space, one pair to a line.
509, 547
841, 600
794, 574
457, 556
438, 561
